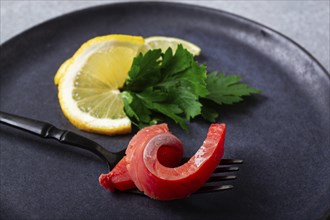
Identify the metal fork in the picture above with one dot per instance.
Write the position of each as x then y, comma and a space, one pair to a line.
46, 130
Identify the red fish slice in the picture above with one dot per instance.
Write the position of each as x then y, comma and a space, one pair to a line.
147, 171
169, 154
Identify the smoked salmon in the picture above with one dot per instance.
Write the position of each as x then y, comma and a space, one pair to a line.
152, 159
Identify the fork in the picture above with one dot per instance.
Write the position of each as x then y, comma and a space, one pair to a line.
47, 130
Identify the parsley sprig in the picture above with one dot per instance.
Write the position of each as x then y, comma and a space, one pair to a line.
175, 85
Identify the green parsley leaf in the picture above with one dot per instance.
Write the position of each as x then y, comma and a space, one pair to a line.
209, 113
176, 86
135, 109
145, 71
227, 89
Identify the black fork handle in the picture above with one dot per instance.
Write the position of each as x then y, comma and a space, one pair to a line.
47, 130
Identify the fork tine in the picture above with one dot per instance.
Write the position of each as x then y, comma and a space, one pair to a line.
225, 169
214, 178
221, 178
208, 189
222, 162
203, 189
230, 161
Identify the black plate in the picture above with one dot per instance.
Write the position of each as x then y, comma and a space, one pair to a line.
282, 135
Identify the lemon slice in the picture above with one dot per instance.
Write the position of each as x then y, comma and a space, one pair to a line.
89, 83
164, 43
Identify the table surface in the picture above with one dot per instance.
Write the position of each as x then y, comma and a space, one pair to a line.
306, 22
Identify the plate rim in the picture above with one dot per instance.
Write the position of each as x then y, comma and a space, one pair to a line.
231, 15
221, 12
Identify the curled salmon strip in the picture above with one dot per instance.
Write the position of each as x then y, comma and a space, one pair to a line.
169, 154
152, 160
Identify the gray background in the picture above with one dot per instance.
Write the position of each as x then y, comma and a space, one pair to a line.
306, 22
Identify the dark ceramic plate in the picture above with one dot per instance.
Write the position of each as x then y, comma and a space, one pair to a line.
282, 135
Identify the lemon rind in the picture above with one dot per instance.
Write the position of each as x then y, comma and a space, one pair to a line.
65, 77
193, 48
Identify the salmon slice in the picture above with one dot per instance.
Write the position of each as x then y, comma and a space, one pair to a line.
152, 159
169, 155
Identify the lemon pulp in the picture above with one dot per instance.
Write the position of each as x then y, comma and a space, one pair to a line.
89, 83
96, 89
